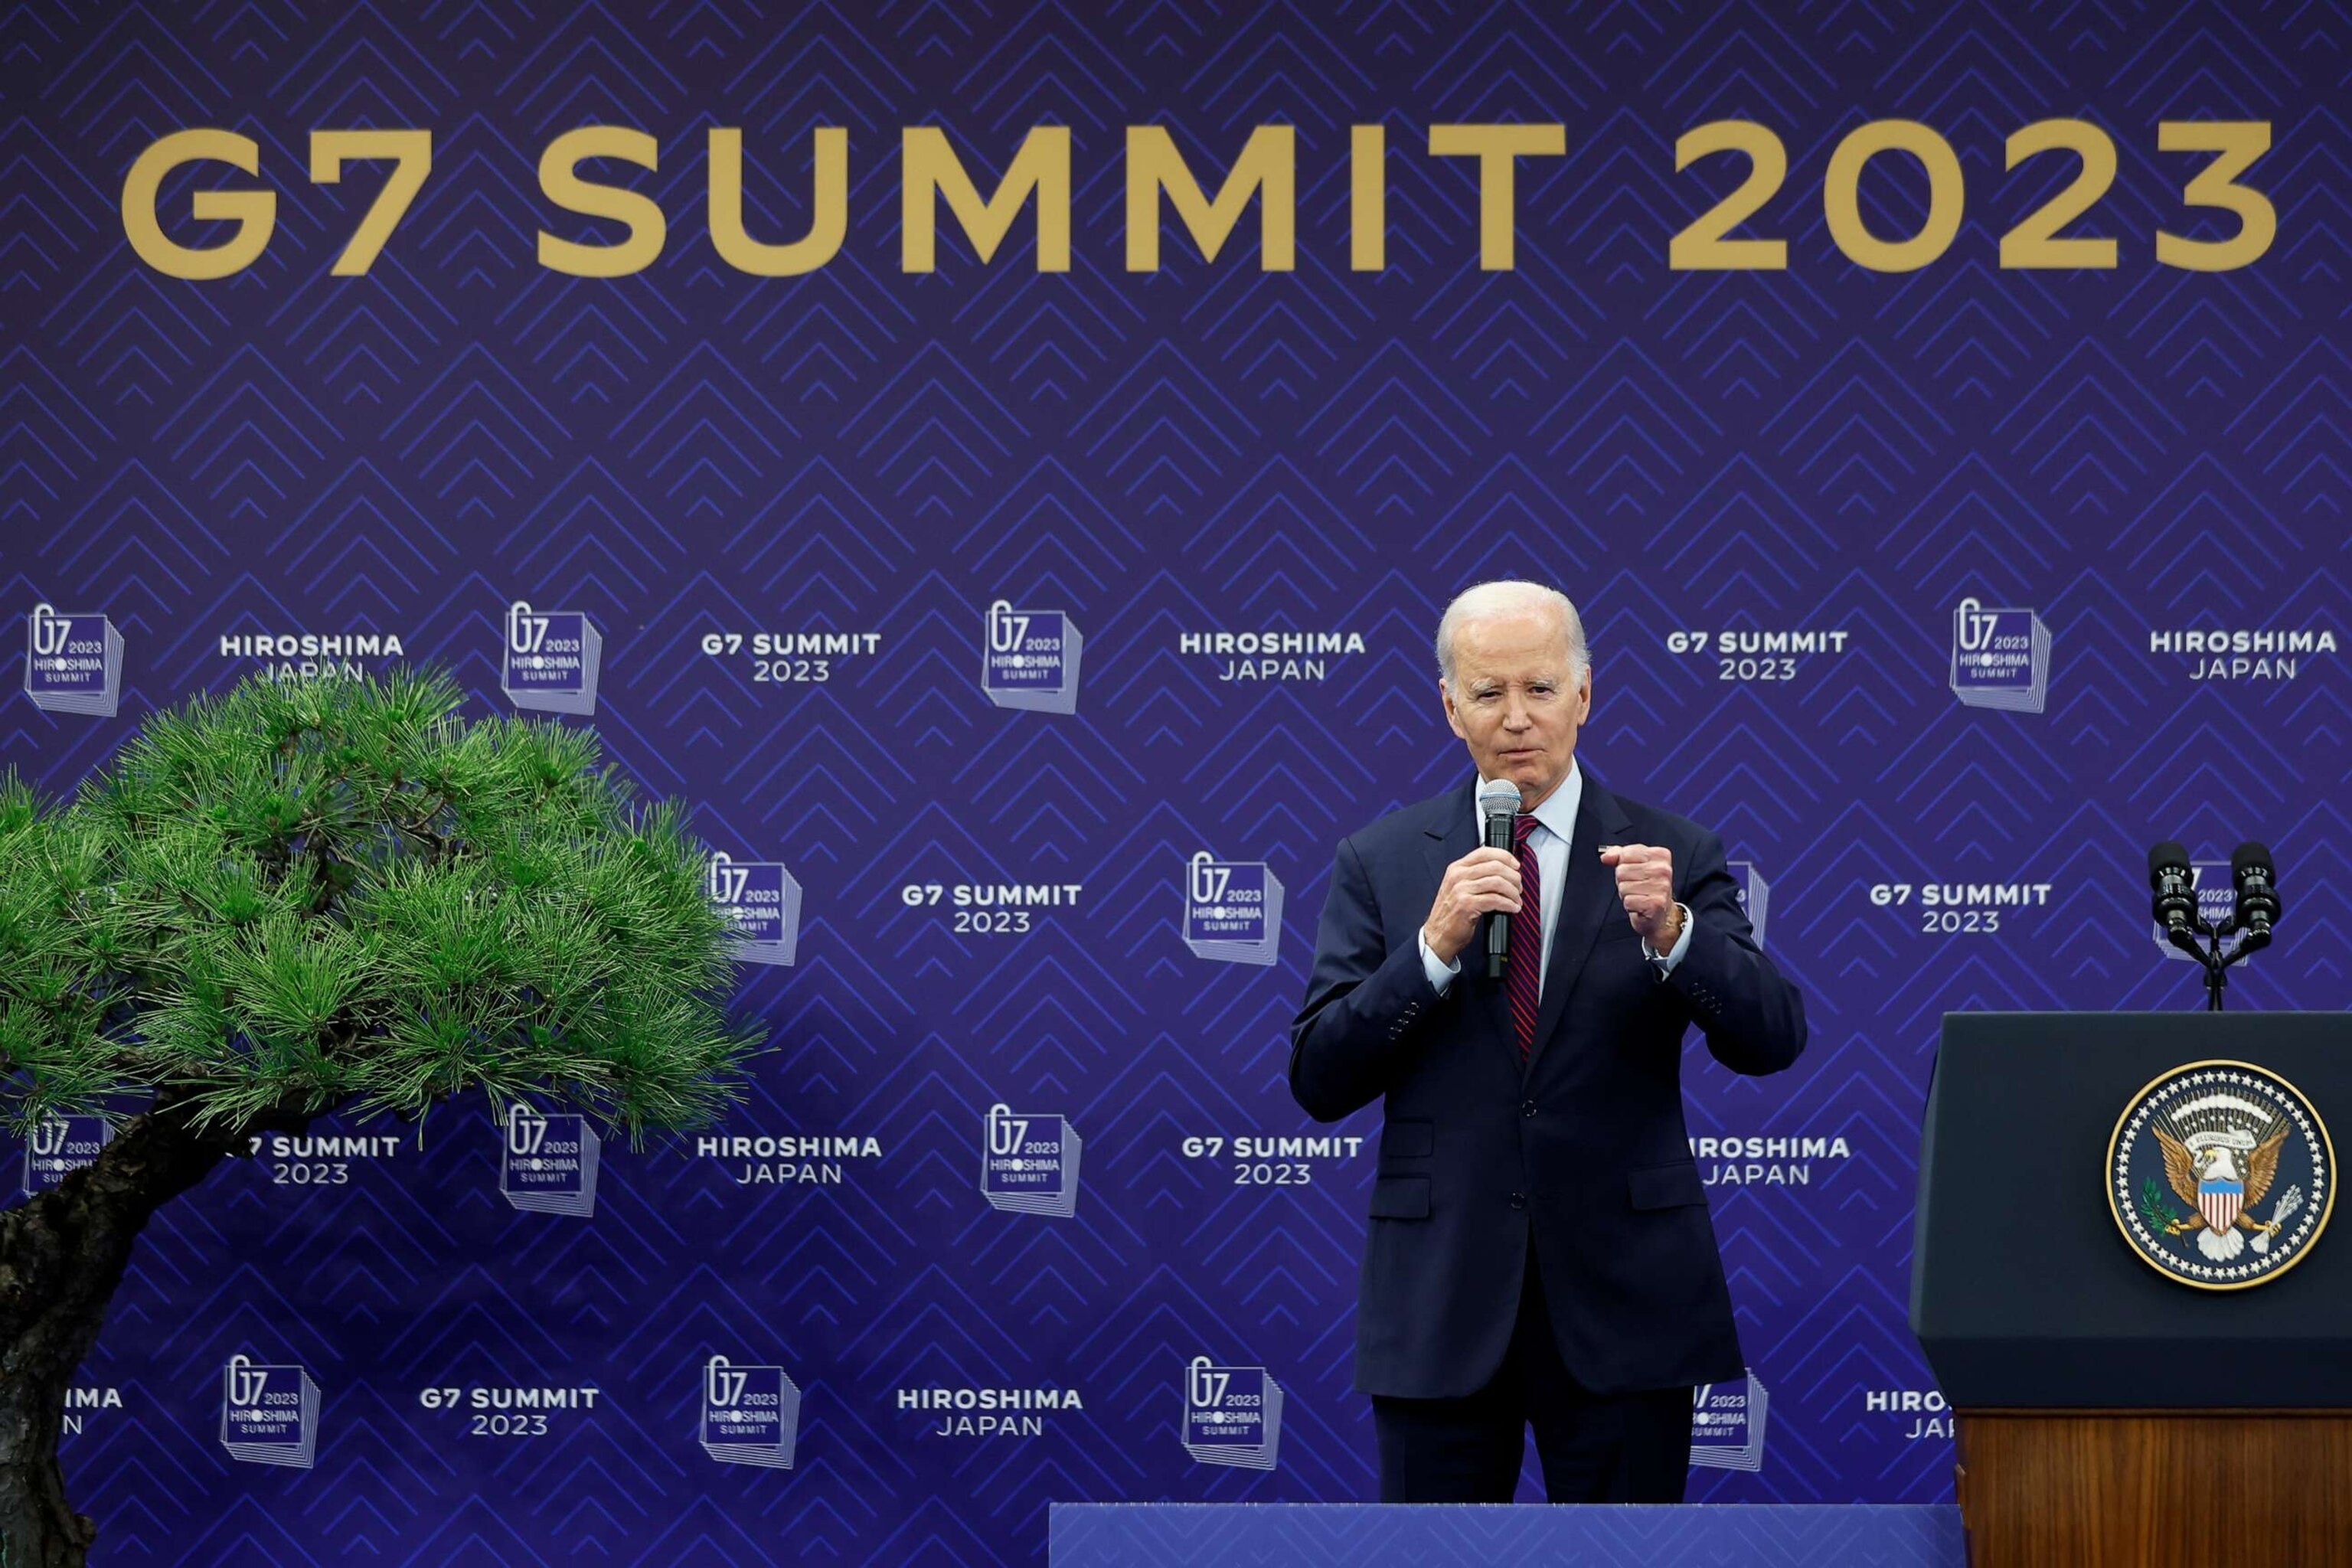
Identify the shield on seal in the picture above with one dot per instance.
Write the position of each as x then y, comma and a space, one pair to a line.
2219, 1202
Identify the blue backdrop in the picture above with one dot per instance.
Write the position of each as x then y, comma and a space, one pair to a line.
692, 457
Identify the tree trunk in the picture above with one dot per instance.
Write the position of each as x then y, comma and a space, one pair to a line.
61, 1255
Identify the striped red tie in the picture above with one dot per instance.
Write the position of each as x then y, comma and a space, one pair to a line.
1524, 974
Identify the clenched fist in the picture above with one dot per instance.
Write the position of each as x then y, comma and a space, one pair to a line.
1482, 880
1645, 885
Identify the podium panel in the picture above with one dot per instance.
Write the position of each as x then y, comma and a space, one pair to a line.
2024, 1293
2174, 1399
2073, 1489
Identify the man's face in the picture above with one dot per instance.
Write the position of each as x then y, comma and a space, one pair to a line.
1515, 700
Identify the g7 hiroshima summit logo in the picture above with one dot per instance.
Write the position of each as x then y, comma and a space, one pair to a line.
2220, 1175
2000, 658
1031, 660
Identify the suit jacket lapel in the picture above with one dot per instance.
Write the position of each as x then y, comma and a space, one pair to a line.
1452, 832
1585, 904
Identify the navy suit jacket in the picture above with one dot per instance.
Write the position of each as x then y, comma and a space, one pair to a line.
1581, 1154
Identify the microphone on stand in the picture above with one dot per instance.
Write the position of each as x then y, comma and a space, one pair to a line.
2175, 895
1498, 805
2258, 903
2257, 908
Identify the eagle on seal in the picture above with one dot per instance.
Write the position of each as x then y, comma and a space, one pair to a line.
2219, 1174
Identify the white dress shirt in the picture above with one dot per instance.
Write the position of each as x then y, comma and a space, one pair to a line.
1555, 826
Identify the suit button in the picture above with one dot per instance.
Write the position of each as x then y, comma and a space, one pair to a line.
1519, 1200
1527, 1108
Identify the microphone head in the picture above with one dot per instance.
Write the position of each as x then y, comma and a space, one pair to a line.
2166, 859
2251, 858
1498, 797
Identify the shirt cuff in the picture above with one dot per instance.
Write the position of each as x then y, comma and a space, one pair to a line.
1441, 975
1665, 961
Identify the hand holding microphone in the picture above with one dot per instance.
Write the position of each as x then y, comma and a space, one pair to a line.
1482, 882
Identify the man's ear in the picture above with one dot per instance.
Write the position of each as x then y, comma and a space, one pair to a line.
1445, 700
1584, 696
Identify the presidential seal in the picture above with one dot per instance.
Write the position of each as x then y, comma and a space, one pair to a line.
2220, 1175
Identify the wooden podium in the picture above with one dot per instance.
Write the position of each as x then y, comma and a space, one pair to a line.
2155, 1489
2107, 1417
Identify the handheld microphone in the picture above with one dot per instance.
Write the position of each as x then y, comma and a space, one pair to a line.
1498, 804
2176, 894
2257, 883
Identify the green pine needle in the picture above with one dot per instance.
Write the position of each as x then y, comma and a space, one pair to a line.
306, 896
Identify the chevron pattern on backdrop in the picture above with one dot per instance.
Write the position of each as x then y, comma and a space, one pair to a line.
691, 455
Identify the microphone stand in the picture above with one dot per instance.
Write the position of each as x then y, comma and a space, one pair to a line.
2216, 963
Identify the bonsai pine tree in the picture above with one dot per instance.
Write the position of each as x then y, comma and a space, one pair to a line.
293, 899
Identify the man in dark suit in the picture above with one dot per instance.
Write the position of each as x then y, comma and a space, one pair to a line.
1541, 1248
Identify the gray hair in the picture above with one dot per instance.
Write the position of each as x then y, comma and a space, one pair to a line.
1505, 597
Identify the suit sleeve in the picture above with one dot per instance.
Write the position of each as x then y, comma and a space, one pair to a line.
1360, 1025
1753, 1019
